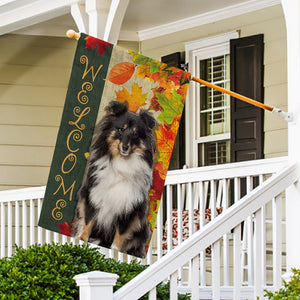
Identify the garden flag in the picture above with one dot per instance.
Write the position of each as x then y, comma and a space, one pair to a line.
114, 145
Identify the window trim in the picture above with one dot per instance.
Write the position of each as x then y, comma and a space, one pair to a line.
196, 50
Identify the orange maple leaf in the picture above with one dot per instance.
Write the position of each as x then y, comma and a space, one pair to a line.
121, 73
134, 100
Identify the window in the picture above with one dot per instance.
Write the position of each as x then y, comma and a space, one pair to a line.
214, 112
208, 110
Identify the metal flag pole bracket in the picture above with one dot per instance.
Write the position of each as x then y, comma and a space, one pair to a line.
285, 115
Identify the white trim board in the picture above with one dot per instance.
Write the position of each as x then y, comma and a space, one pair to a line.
206, 18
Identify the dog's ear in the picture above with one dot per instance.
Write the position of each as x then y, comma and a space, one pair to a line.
116, 108
147, 119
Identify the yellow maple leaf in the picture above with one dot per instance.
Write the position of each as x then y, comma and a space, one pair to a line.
143, 71
134, 100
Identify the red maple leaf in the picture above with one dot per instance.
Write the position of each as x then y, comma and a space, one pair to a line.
176, 77
65, 228
92, 42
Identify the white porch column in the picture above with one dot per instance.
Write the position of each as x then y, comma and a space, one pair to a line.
292, 18
98, 11
105, 18
96, 285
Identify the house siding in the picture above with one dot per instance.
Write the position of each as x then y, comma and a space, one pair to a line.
271, 23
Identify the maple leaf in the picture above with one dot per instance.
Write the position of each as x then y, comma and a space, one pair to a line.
154, 105
143, 71
121, 73
152, 212
94, 43
65, 228
176, 76
183, 90
139, 59
185, 78
165, 138
134, 100
172, 108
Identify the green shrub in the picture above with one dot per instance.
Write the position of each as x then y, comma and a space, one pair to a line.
290, 291
46, 272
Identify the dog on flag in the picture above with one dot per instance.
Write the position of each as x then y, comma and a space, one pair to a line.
113, 205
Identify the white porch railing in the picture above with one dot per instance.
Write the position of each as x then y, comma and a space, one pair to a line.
187, 193
253, 205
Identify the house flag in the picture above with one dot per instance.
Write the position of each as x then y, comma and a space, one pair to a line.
115, 141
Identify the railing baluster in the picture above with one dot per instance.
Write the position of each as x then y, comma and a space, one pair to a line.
263, 247
277, 240
225, 237
212, 200
263, 240
24, 224
152, 294
249, 229
17, 223
195, 278
40, 230
149, 254
9, 229
111, 253
237, 189
237, 267
173, 286
202, 219
190, 208
159, 231
32, 221
169, 217
2, 231
215, 249
258, 288
55, 237
179, 228
64, 239
215, 261
48, 239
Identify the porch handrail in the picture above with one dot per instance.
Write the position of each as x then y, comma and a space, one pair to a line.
22, 194
209, 234
230, 170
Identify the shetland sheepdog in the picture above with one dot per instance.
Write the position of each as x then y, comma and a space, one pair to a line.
112, 204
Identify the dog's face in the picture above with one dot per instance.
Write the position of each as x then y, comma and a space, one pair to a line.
129, 132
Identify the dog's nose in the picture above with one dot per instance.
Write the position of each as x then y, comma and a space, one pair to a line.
125, 147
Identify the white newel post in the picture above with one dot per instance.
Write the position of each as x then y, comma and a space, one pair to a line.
96, 285
292, 18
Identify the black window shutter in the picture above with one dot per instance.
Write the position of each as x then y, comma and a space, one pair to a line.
178, 156
246, 78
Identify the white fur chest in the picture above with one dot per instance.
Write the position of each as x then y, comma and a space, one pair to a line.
120, 183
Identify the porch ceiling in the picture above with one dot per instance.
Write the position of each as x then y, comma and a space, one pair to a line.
144, 19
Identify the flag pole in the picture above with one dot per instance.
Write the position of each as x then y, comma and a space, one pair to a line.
286, 115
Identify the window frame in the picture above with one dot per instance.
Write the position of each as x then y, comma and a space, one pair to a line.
196, 51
